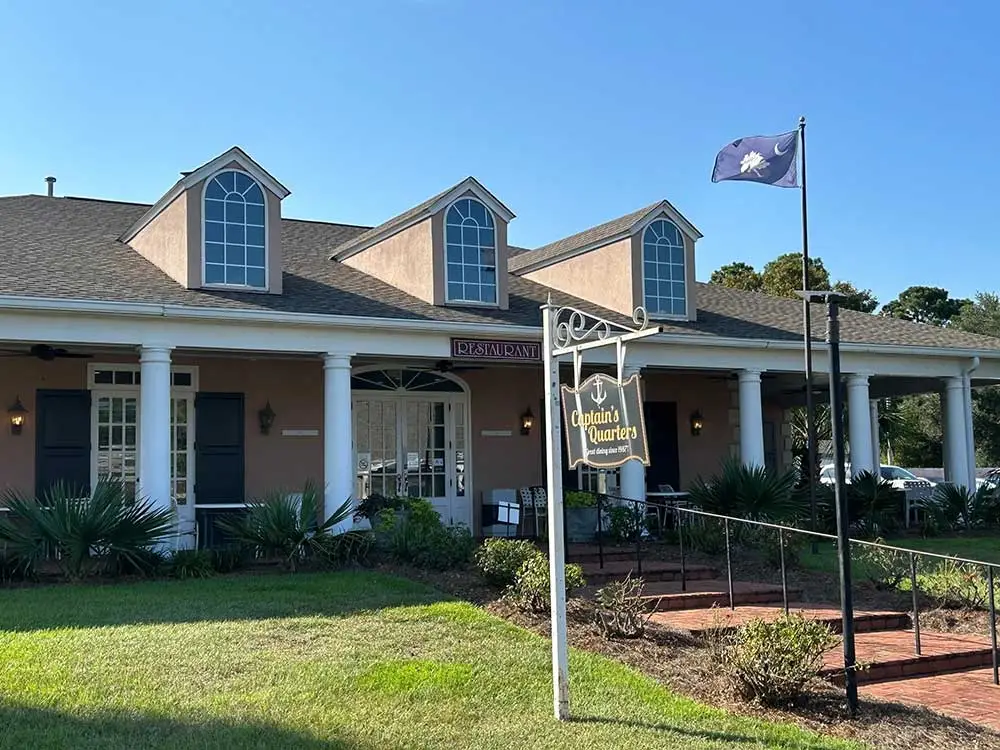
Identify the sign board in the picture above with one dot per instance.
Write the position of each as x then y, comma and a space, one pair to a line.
501, 351
364, 463
605, 426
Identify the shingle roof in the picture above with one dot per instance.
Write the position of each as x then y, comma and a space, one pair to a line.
580, 239
69, 248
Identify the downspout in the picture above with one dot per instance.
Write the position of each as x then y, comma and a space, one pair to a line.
970, 443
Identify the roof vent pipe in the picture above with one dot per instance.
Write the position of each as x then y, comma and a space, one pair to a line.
51, 185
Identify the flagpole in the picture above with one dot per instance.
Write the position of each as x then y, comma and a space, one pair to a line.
807, 339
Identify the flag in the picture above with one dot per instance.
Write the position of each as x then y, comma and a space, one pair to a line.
769, 159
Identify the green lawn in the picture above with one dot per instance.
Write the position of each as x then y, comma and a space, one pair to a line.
985, 548
345, 660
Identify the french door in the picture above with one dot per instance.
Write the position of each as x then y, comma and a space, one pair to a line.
415, 446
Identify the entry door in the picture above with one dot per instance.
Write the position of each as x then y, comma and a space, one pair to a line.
661, 435
416, 448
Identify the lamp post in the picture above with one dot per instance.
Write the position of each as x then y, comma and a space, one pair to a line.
832, 300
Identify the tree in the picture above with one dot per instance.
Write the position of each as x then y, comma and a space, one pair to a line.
861, 300
737, 275
983, 317
924, 304
782, 277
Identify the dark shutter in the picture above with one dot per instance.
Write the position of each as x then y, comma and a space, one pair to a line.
219, 448
62, 440
661, 435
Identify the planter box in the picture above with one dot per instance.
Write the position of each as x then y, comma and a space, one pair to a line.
581, 524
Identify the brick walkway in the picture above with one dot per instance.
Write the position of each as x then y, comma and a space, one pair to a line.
697, 620
965, 695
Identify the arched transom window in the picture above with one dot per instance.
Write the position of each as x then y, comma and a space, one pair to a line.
663, 275
470, 253
235, 232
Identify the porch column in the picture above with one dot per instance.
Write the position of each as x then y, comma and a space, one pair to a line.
632, 474
154, 425
338, 472
859, 416
970, 440
876, 438
956, 463
751, 419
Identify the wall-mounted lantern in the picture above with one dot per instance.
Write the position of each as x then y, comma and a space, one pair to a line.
527, 422
697, 423
266, 417
16, 413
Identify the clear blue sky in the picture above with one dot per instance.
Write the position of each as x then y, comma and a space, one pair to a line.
571, 112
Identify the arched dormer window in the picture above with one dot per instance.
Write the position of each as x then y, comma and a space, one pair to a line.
470, 253
663, 275
235, 231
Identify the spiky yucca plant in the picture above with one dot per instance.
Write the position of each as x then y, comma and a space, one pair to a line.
954, 507
747, 492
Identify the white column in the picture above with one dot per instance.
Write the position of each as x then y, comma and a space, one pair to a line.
876, 449
154, 425
338, 450
751, 419
859, 423
956, 462
633, 473
970, 440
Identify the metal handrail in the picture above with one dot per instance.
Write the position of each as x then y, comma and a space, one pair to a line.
782, 530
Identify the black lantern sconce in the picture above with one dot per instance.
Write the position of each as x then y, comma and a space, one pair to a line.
697, 423
266, 417
16, 414
527, 422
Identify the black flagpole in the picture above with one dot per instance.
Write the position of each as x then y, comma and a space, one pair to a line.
807, 339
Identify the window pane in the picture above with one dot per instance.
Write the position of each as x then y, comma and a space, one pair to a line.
235, 275
227, 180
255, 235
470, 236
677, 255
488, 258
215, 273
454, 272
677, 290
478, 212
454, 253
255, 256
489, 277
650, 270
103, 376
651, 287
454, 234
255, 215
214, 210
215, 252
472, 292
255, 278
182, 378
236, 255
215, 231
488, 294
679, 308
454, 290
215, 190
234, 210
486, 238
255, 195
235, 233
242, 182
471, 255
472, 274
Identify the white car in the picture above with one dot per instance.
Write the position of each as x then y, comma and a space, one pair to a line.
899, 478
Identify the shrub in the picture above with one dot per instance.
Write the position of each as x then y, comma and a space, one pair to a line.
621, 611
954, 508
414, 534
577, 499
626, 522
499, 560
112, 531
954, 584
874, 506
752, 492
190, 563
228, 558
766, 543
530, 590
706, 537
290, 529
372, 506
773, 662
886, 569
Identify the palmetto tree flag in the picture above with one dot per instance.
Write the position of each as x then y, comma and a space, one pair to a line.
769, 159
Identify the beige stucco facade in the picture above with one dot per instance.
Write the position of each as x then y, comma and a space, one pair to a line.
405, 260
604, 276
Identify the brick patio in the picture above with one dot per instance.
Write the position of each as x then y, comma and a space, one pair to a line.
965, 695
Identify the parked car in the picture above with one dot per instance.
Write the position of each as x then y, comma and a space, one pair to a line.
898, 477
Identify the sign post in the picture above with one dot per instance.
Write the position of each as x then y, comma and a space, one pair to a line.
604, 428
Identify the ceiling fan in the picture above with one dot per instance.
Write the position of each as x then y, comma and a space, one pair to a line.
45, 352
445, 365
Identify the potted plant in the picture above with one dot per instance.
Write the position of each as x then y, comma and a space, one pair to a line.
581, 516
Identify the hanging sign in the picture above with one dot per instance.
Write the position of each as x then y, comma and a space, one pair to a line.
604, 422
501, 351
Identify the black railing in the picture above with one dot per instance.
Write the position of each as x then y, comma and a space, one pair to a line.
679, 513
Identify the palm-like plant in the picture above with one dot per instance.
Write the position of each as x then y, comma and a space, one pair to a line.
747, 491
292, 529
105, 532
957, 508
873, 503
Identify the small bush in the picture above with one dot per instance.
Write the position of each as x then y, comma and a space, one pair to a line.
190, 563
706, 537
874, 506
499, 560
228, 558
748, 492
954, 508
415, 535
886, 569
773, 662
578, 499
626, 522
955, 585
766, 543
621, 611
530, 590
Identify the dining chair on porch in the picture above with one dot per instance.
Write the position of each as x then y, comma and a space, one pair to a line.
527, 498
541, 504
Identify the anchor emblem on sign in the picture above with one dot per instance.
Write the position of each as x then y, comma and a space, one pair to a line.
599, 396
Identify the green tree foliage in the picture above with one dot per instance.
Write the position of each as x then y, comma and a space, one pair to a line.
782, 277
861, 300
983, 316
737, 275
910, 428
924, 304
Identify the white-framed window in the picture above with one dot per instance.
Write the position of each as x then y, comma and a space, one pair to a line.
116, 407
587, 479
235, 232
664, 282
470, 251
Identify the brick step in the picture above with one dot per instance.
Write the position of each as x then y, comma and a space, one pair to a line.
697, 621
890, 655
703, 594
652, 570
590, 553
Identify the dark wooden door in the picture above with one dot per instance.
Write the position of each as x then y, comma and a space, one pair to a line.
62, 440
661, 434
219, 448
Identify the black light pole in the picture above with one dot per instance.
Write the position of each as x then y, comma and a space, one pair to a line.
832, 300
807, 341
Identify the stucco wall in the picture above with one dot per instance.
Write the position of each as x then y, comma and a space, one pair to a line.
602, 276
163, 241
405, 260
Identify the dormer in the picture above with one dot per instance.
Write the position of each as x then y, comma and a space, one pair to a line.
644, 258
449, 250
218, 227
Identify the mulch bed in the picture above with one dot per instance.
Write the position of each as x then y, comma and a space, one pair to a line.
685, 665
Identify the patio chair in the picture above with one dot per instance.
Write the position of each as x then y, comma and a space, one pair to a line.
527, 498
541, 503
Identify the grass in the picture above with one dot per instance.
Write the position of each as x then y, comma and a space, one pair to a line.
345, 660
985, 548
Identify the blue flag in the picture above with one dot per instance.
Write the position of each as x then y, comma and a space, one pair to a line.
769, 159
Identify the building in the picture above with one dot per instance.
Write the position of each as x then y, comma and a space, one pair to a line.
211, 349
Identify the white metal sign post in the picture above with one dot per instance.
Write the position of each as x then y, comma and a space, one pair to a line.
567, 330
